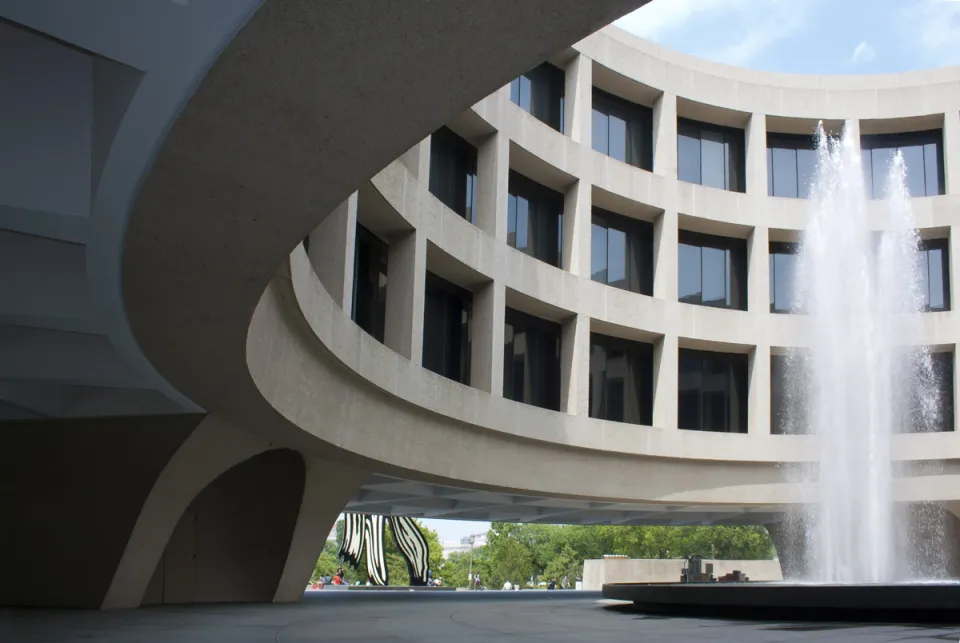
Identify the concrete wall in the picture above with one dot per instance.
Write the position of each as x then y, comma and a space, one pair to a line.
72, 491
637, 570
232, 542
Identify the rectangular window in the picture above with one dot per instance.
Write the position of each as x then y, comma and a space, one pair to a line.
621, 252
370, 283
922, 154
622, 130
712, 271
783, 274
446, 329
935, 271
540, 92
710, 155
531, 360
453, 172
535, 219
621, 380
791, 163
928, 388
712, 391
788, 395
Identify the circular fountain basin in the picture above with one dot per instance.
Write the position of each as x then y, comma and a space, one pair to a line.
896, 603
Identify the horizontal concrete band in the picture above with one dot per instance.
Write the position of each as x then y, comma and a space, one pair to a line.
569, 294
573, 294
402, 416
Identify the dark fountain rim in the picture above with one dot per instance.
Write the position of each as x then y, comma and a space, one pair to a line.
898, 603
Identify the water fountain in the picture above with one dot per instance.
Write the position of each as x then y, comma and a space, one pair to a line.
861, 380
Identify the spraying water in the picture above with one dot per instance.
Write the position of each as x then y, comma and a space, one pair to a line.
862, 379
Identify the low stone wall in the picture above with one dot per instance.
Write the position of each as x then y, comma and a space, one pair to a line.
645, 570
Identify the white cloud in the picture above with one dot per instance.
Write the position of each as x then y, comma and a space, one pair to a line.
736, 32
933, 28
655, 19
863, 54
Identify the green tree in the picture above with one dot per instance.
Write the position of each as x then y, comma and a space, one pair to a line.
397, 573
567, 563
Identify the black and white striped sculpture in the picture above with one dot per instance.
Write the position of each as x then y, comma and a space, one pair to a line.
363, 534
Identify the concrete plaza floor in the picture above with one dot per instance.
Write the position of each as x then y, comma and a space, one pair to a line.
461, 617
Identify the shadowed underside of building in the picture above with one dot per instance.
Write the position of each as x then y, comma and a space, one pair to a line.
268, 260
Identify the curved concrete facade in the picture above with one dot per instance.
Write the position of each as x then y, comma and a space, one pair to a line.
625, 472
210, 166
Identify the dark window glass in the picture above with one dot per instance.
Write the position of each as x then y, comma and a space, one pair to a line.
540, 92
710, 155
370, 283
922, 154
712, 160
446, 329
621, 252
534, 219
933, 168
531, 360
688, 157
940, 382
712, 271
934, 268
783, 273
621, 380
791, 163
712, 391
622, 130
453, 172
788, 408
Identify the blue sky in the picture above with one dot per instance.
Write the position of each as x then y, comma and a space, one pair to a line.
798, 36
807, 36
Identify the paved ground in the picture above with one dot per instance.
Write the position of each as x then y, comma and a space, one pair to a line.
452, 617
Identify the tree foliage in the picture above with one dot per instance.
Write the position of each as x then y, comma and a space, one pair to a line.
397, 573
521, 553
517, 552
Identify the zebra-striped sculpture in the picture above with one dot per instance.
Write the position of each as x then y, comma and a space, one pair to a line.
364, 534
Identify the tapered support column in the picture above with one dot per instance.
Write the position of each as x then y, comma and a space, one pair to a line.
576, 228
417, 160
665, 387
406, 270
331, 252
758, 395
328, 487
665, 256
575, 365
756, 144
665, 136
758, 271
578, 119
486, 363
493, 173
951, 152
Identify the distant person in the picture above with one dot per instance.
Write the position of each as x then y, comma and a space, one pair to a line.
552, 584
476, 581
507, 585
564, 583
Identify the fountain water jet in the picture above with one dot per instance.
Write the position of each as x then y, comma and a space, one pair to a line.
862, 379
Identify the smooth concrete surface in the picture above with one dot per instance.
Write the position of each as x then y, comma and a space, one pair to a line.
231, 543
599, 572
467, 617
899, 603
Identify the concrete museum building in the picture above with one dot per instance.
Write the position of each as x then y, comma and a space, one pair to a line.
266, 260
